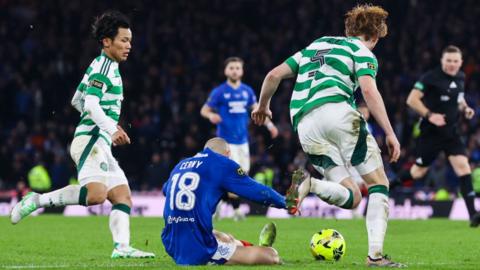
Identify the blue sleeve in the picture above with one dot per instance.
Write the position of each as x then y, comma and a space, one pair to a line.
213, 100
236, 181
252, 98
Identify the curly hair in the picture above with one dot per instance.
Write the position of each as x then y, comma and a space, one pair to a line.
107, 24
366, 20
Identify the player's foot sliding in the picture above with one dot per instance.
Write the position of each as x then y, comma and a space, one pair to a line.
130, 252
25, 207
298, 190
384, 261
268, 235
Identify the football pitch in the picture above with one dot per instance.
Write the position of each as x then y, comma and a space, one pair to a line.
57, 242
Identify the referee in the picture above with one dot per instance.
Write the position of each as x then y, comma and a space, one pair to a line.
438, 97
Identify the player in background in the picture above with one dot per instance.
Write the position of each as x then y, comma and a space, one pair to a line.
228, 107
98, 98
439, 98
193, 191
331, 131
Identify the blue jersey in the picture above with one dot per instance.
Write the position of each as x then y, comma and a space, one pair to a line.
192, 192
233, 106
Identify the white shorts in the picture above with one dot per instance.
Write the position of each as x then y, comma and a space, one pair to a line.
224, 252
240, 153
95, 162
335, 134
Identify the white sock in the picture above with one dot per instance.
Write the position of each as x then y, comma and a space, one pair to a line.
377, 216
120, 228
330, 192
68, 195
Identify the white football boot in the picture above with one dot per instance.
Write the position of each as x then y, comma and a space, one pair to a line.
130, 252
25, 207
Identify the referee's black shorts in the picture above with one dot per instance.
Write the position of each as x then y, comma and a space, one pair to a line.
430, 144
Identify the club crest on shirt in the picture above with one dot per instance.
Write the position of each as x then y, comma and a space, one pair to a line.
240, 171
227, 95
245, 94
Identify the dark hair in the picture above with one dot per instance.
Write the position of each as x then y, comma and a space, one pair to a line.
451, 49
232, 59
107, 24
366, 20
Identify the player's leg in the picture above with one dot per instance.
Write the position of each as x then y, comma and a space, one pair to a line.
373, 174
119, 220
254, 255
462, 169
235, 251
92, 189
427, 149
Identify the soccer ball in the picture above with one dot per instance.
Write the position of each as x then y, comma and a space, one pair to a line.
328, 245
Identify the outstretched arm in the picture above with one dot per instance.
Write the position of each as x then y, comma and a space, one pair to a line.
245, 187
269, 87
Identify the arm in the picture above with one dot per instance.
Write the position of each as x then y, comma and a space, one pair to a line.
268, 124
77, 101
269, 87
251, 190
105, 123
207, 112
375, 104
97, 86
463, 106
415, 102
236, 181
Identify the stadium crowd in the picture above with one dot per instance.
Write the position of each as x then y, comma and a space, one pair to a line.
177, 58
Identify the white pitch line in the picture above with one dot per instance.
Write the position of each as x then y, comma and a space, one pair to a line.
73, 266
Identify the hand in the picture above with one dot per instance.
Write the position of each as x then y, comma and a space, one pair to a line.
259, 115
214, 118
393, 147
273, 131
469, 113
437, 119
120, 137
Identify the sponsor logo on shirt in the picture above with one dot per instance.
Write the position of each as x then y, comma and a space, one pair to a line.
96, 83
237, 106
444, 98
179, 219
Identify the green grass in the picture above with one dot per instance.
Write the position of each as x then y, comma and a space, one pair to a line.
58, 242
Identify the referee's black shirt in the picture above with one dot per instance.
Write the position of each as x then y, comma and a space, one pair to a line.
441, 92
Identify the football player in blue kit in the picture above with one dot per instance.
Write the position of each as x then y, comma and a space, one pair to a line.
193, 190
228, 107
